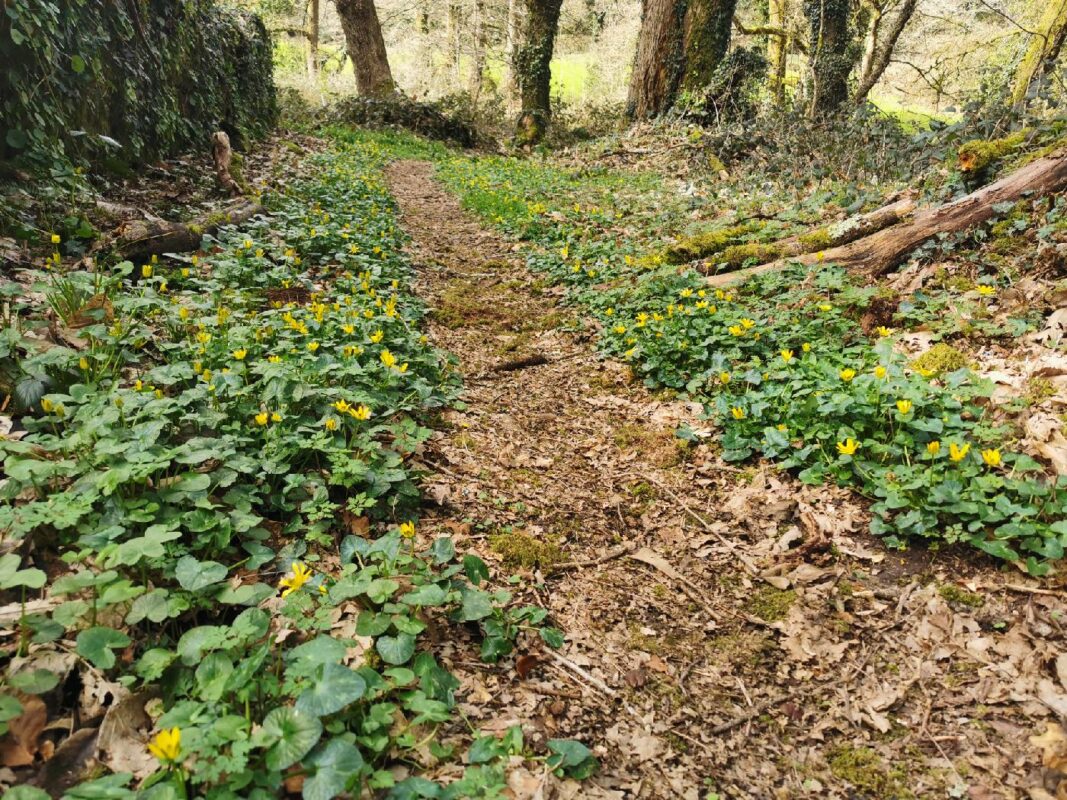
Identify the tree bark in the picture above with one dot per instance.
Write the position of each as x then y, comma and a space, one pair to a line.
313, 39
452, 33
366, 47
140, 239
884, 41
476, 77
777, 49
222, 155
513, 34
833, 53
1044, 49
533, 69
680, 44
880, 252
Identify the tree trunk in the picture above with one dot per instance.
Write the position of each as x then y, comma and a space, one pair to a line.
833, 53
477, 70
513, 34
883, 42
313, 39
533, 69
366, 47
777, 49
880, 252
1044, 49
680, 45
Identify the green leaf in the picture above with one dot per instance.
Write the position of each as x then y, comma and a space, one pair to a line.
293, 734
477, 605
11, 576
572, 758
428, 595
396, 649
195, 576
96, 645
77, 64
211, 676
34, 681
24, 792
334, 688
475, 569
552, 637
334, 765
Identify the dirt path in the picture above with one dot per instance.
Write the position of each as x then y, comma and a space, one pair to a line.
738, 634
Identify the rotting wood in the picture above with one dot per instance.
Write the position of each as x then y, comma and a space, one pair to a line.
139, 239
516, 364
880, 252
222, 155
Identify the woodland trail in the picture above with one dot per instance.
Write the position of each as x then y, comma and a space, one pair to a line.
728, 631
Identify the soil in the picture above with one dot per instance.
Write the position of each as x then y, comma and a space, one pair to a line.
730, 632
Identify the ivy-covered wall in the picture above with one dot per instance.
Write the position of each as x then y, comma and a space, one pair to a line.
133, 79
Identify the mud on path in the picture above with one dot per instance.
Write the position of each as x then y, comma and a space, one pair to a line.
728, 630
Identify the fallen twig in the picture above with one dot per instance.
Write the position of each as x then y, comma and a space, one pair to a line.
593, 681
751, 714
613, 553
516, 364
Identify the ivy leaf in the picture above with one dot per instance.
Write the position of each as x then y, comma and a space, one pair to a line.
396, 649
335, 687
571, 758
96, 645
293, 732
335, 764
194, 576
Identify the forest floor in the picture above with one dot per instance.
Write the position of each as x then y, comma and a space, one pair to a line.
707, 653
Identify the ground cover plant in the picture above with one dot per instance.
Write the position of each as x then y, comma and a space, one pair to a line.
181, 479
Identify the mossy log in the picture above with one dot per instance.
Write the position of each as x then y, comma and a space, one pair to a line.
881, 251
734, 256
977, 154
138, 240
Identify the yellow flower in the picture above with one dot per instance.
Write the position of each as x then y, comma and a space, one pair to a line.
883, 331
83, 363
787, 356
298, 577
957, 452
47, 405
313, 346
274, 359
903, 406
848, 447
737, 412
991, 457
825, 307
847, 374
342, 406
349, 329
146, 270
724, 377
183, 313
880, 372
782, 428
330, 424
159, 394
262, 418
686, 293
735, 330
986, 291
806, 347
746, 323
377, 336
933, 448
360, 412
387, 358
167, 744
240, 354
620, 329
407, 530
275, 417
56, 239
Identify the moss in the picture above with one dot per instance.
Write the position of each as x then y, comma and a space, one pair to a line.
978, 154
770, 604
702, 245
864, 769
742, 649
739, 255
519, 549
1039, 390
957, 596
818, 239
939, 359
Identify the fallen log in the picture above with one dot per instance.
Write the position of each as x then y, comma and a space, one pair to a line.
222, 155
141, 239
881, 251
835, 235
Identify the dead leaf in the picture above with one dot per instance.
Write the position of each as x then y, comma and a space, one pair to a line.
123, 740
1053, 746
526, 664
19, 746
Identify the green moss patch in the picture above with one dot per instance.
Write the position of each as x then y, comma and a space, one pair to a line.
518, 549
770, 604
703, 245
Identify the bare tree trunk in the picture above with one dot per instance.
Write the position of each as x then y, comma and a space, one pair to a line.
1043, 51
513, 35
452, 33
880, 252
833, 53
366, 47
313, 39
477, 70
680, 45
533, 68
883, 42
777, 49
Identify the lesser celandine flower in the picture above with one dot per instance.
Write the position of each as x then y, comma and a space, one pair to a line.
787, 356
146, 270
47, 405
847, 374
407, 530
360, 412
880, 372
724, 377
883, 331
737, 412
342, 406
377, 336
294, 580
275, 417
330, 424
262, 418
166, 745
387, 358
957, 452
746, 323
806, 347
848, 447
313, 346
933, 448
991, 457
986, 291
240, 354
735, 330
56, 239
904, 406
825, 307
